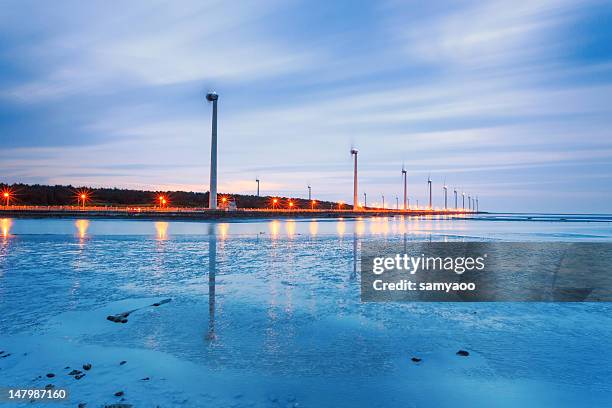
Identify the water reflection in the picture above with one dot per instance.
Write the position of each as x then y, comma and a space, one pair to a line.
5, 225
274, 227
340, 227
212, 272
162, 230
82, 226
354, 274
290, 228
313, 227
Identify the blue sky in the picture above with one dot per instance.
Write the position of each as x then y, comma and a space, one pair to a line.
511, 101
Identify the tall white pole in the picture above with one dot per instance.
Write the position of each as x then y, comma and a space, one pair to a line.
355, 199
445, 198
212, 198
257, 180
405, 184
430, 201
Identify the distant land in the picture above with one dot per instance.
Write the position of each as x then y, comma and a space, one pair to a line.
41, 195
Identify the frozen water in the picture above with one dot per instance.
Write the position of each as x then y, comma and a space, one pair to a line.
267, 314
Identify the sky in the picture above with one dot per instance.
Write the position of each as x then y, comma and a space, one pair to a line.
510, 101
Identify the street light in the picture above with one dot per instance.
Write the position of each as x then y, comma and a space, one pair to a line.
274, 202
83, 198
290, 204
312, 204
7, 197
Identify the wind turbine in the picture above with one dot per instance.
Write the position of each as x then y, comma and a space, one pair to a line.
212, 195
477, 207
455, 191
355, 200
257, 180
463, 200
309, 193
365, 200
445, 188
396, 202
404, 174
383, 201
429, 185
469, 203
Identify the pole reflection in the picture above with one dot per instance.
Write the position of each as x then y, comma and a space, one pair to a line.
212, 272
354, 274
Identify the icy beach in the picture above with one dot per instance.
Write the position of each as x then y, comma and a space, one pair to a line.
268, 314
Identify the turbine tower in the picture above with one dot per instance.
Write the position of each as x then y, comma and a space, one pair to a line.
309, 193
212, 195
445, 188
396, 202
383, 200
463, 200
469, 203
455, 191
365, 200
404, 174
257, 180
355, 199
429, 185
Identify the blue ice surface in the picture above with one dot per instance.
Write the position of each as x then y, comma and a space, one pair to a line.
267, 314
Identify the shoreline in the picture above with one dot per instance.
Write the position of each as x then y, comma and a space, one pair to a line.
186, 214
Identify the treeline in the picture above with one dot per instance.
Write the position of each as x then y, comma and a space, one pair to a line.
25, 194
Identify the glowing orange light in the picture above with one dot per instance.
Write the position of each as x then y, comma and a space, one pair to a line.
224, 199
340, 204
275, 201
290, 203
7, 196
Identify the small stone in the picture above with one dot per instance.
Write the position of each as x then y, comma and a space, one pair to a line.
74, 372
123, 362
50, 375
87, 367
67, 368
145, 379
79, 376
119, 394
82, 405
111, 318
49, 386
123, 320
463, 353
416, 359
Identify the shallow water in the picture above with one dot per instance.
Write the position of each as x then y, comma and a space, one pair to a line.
267, 313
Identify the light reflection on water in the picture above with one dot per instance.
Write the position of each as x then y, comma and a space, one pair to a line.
161, 227
82, 226
5, 225
485, 227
